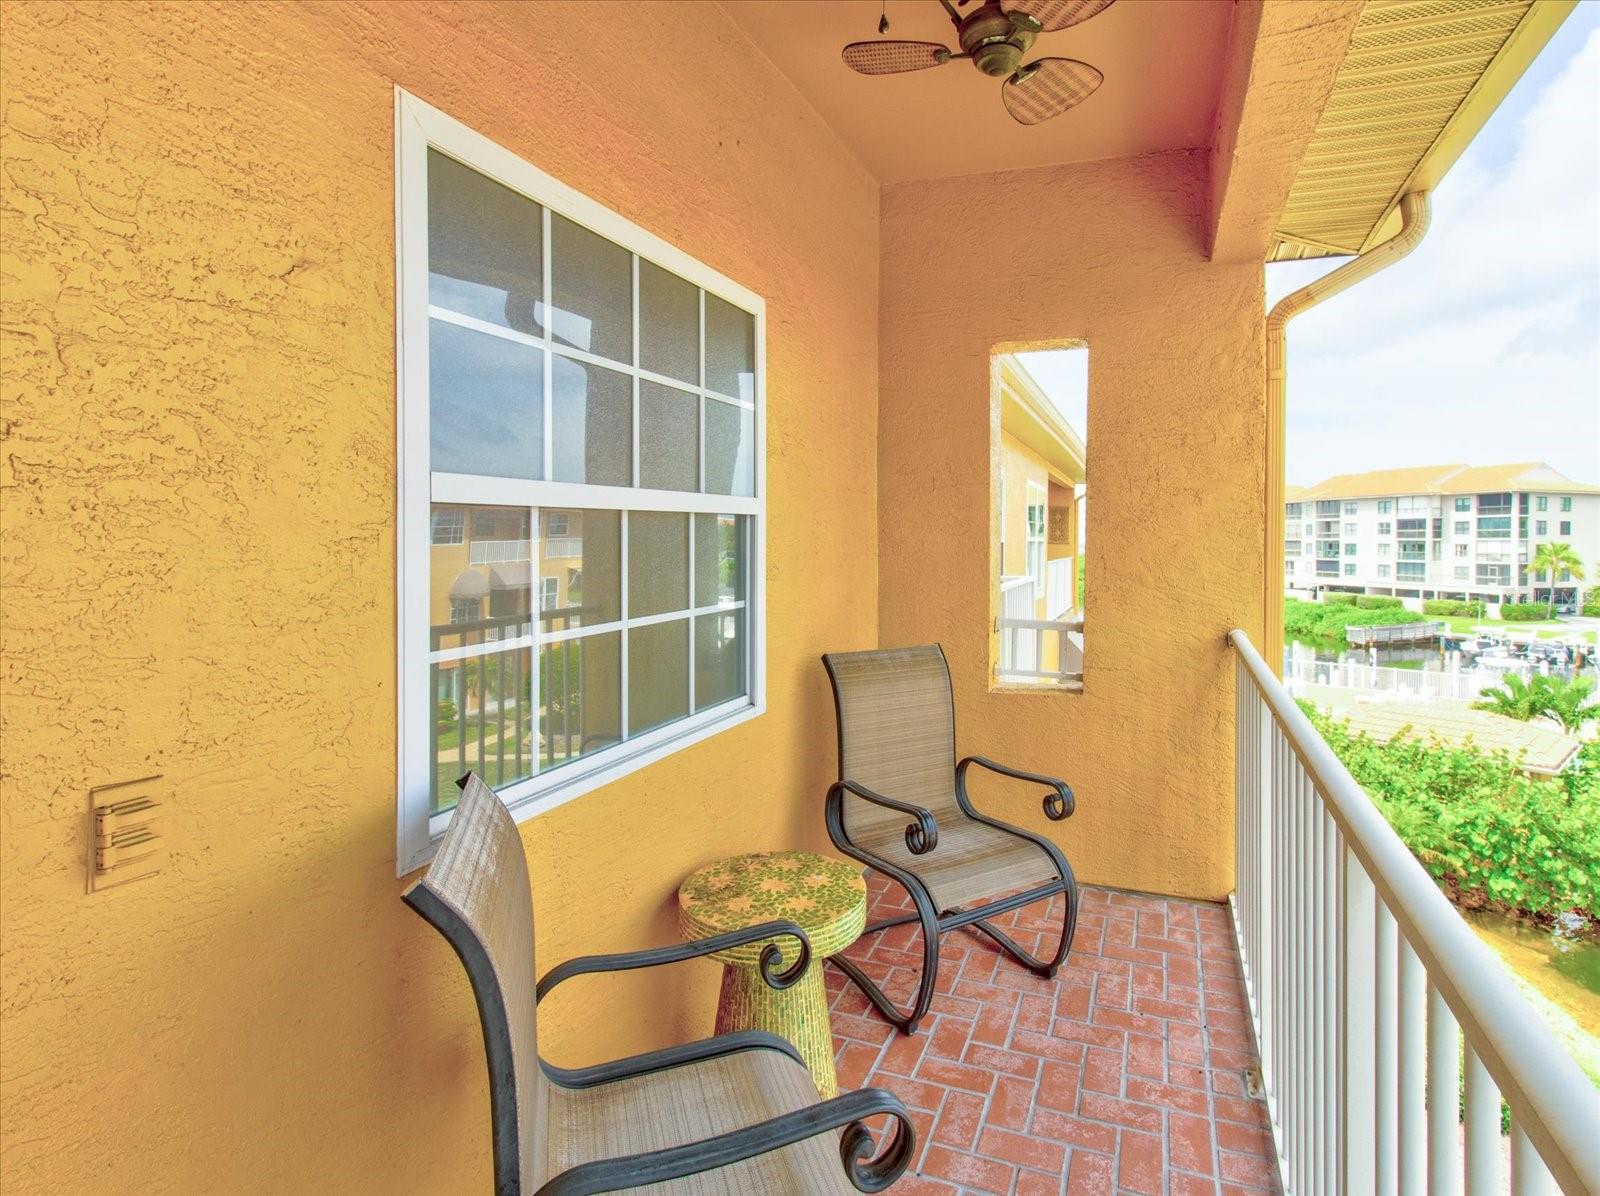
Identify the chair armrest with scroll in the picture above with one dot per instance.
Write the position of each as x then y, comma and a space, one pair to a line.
922, 836
847, 1112
771, 956
1058, 802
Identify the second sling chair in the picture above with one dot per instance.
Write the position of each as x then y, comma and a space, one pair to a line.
897, 739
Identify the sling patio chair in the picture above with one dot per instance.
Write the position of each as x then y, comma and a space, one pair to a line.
897, 759
733, 1114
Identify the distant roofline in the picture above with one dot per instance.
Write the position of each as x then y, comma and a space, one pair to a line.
1452, 479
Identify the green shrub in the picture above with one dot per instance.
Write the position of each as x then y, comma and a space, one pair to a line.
1327, 620
1480, 826
1453, 607
1524, 612
1339, 598
1591, 603
1378, 602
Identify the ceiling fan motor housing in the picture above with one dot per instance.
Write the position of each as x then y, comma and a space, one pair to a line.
994, 41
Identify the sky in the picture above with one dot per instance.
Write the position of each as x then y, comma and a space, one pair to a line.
1483, 345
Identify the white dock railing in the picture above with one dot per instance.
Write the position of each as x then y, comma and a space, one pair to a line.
1368, 992
1409, 683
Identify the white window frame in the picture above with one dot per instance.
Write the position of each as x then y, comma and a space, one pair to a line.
1036, 569
419, 126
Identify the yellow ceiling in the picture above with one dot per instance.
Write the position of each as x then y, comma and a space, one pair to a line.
1418, 82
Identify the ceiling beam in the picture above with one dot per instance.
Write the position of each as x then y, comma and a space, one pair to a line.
1282, 62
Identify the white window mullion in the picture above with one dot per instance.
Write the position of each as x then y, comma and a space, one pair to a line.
622, 647
690, 636
549, 338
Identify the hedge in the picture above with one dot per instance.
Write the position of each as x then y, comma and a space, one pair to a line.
1327, 621
1378, 602
1452, 606
1489, 834
1339, 598
1524, 612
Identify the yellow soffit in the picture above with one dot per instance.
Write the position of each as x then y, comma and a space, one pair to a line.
1418, 82
1027, 414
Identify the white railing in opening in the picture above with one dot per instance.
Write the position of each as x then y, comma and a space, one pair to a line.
1370, 996
1058, 596
1022, 650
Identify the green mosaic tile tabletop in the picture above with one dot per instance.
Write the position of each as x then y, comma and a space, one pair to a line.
826, 897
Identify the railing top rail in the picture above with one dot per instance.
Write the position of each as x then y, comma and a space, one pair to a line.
1040, 624
1551, 1099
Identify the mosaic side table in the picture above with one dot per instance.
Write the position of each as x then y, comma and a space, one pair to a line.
828, 900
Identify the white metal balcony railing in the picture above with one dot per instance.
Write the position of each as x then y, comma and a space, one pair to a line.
1370, 996
1373, 678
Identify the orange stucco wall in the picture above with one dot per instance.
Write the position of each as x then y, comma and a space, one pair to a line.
1113, 256
199, 500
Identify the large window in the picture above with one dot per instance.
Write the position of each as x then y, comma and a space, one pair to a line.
581, 528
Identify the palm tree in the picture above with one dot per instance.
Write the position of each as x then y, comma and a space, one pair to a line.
1514, 698
1555, 558
1567, 702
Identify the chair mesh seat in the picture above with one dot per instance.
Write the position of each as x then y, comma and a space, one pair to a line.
690, 1104
972, 863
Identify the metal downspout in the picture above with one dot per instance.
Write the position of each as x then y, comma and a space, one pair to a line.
1414, 216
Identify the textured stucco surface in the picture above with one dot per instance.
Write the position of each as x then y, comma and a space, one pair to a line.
198, 506
1111, 253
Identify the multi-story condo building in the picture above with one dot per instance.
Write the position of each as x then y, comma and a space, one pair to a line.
1441, 531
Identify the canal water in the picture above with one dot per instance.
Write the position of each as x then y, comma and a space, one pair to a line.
1568, 978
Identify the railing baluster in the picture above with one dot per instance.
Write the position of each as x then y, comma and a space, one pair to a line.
1359, 978
1386, 1108
1444, 1098
1334, 1013
1413, 1045
1529, 1175
1482, 1129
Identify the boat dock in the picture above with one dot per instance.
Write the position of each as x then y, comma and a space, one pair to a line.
1393, 633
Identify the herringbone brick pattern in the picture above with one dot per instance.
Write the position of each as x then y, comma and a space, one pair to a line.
1123, 1074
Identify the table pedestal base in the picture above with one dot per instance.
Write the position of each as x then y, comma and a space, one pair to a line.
798, 1013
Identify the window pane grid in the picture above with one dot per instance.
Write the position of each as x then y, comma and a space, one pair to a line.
496, 635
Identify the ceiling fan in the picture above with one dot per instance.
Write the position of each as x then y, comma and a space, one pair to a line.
995, 36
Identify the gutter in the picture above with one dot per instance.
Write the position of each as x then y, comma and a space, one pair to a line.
1414, 216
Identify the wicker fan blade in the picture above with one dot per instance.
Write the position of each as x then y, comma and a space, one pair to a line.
1059, 14
1048, 88
892, 58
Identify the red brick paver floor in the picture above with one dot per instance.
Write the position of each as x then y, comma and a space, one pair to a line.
1124, 1074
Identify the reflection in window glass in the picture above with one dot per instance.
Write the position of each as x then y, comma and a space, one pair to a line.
658, 563
719, 568
580, 557
486, 403
480, 585
592, 417
592, 281
730, 349
669, 434
482, 721
730, 449
484, 247
719, 658
658, 675
580, 710
669, 324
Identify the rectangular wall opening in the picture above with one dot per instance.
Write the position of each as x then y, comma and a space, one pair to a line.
1041, 506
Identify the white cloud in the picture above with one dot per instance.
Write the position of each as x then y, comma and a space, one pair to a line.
1484, 345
